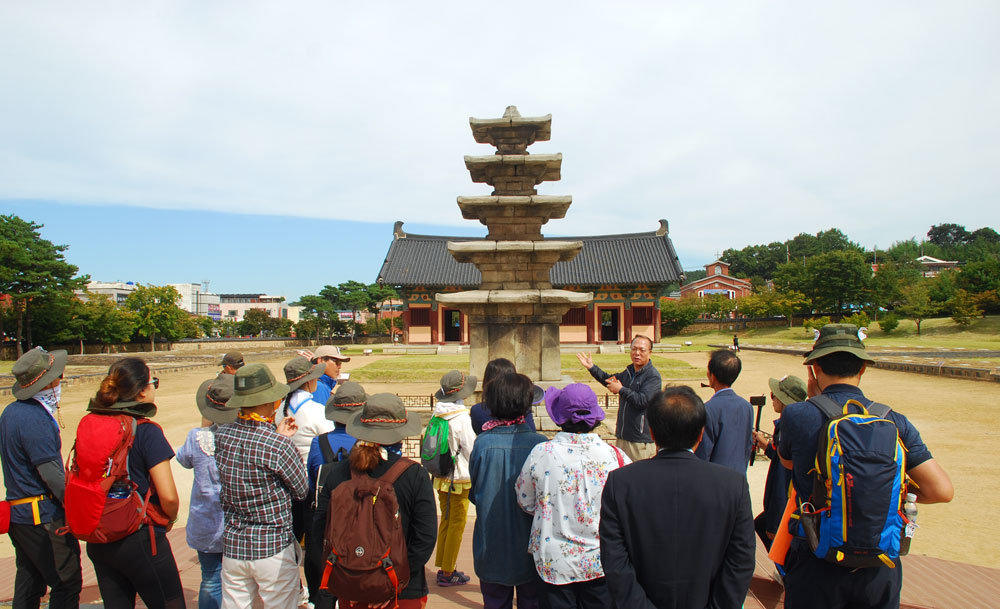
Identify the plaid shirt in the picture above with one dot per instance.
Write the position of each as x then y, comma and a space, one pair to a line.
261, 473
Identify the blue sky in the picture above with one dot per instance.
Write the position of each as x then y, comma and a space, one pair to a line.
132, 129
237, 253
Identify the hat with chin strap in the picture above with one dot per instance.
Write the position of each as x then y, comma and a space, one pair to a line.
36, 369
834, 338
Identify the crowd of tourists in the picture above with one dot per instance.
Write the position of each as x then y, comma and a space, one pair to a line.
308, 477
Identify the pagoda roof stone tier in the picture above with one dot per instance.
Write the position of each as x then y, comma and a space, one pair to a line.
516, 297
514, 174
470, 251
542, 207
513, 133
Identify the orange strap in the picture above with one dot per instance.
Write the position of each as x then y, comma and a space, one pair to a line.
783, 538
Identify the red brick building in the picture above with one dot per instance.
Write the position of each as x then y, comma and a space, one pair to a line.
718, 281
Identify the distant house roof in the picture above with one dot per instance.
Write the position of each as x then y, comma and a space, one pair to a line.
931, 260
627, 259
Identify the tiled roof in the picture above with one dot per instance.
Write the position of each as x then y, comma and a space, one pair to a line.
627, 259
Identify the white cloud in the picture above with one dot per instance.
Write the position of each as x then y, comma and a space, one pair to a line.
739, 123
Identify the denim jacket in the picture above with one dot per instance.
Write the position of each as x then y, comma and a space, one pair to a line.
500, 537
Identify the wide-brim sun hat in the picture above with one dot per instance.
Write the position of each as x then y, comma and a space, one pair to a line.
574, 403
789, 389
834, 338
455, 385
299, 371
256, 385
347, 401
383, 420
36, 369
213, 398
233, 358
537, 394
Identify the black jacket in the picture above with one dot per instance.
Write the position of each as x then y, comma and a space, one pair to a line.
677, 532
638, 388
417, 511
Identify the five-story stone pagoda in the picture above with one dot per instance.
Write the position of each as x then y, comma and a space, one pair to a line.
515, 313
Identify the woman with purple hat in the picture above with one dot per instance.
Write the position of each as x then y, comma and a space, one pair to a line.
561, 485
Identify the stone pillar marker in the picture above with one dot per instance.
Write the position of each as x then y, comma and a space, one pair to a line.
515, 313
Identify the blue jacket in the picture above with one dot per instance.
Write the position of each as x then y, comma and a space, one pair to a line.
728, 437
324, 389
500, 537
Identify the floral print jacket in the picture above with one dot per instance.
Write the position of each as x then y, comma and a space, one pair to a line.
561, 484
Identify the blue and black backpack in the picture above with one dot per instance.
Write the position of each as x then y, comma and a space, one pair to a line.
854, 516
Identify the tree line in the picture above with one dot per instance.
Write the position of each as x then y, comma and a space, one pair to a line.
828, 274
40, 304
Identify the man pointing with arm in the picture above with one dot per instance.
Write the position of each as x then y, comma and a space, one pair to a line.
635, 385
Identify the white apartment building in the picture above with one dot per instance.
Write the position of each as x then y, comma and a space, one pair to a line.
234, 306
198, 300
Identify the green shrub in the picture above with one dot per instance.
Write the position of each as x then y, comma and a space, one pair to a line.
815, 323
859, 319
888, 323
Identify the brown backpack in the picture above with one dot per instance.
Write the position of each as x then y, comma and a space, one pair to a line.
364, 541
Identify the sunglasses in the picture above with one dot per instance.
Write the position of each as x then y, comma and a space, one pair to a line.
155, 382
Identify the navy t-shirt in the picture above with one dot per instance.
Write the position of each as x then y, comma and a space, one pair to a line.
149, 449
29, 436
801, 424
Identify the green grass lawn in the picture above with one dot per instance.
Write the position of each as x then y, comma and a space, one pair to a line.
5, 367
981, 334
430, 368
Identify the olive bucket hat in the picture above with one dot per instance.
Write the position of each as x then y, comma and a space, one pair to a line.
256, 385
383, 420
455, 386
348, 400
789, 389
213, 400
36, 369
834, 338
299, 371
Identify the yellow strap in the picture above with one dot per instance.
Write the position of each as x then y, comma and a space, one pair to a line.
888, 561
34, 506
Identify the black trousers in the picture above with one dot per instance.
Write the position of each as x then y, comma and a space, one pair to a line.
127, 567
813, 583
593, 594
45, 559
313, 565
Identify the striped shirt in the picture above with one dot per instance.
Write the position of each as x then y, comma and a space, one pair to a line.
261, 473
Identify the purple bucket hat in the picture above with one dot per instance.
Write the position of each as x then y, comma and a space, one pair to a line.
575, 403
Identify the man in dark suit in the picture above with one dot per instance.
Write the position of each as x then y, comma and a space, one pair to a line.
677, 531
728, 437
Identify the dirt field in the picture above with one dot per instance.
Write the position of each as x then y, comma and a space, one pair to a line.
956, 419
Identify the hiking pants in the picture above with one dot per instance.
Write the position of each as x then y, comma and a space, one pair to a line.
275, 579
45, 559
451, 529
127, 567
813, 583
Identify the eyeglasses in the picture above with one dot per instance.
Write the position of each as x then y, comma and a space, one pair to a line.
638, 350
155, 382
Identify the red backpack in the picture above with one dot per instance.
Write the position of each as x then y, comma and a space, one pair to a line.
101, 502
364, 541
